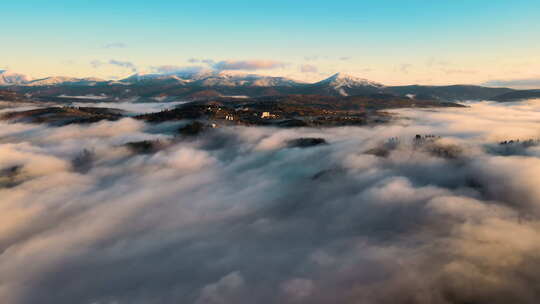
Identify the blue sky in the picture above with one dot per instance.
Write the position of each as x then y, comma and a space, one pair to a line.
416, 41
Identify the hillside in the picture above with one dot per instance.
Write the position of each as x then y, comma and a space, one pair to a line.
450, 93
292, 110
518, 95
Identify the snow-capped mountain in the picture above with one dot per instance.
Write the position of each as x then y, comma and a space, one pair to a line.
152, 78
213, 79
178, 76
346, 85
61, 80
208, 84
202, 84
340, 80
249, 80
12, 78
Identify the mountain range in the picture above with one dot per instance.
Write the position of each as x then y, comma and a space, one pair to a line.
197, 85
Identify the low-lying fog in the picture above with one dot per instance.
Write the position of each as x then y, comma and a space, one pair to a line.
237, 216
133, 107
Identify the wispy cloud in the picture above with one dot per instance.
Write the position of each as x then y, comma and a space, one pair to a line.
124, 64
224, 65
175, 69
119, 63
249, 65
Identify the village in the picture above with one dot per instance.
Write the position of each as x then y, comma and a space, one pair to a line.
267, 114
283, 117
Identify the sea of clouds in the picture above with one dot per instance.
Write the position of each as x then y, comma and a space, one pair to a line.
237, 216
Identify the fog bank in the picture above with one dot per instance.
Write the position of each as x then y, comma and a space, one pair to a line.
237, 216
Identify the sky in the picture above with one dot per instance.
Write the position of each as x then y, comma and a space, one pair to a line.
491, 42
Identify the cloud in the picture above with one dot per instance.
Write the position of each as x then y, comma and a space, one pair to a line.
346, 58
114, 45
174, 69
124, 64
297, 289
523, 83
234, 216
308, 68
212, 66
229, 289
249, 65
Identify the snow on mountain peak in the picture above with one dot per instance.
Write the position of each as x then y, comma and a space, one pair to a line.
181, 76
12, 78
215, 79
346, 85
340, 80
57, 80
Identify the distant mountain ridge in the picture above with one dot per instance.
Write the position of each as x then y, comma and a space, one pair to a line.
212, 79
518, 95
205, 84
450, 92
